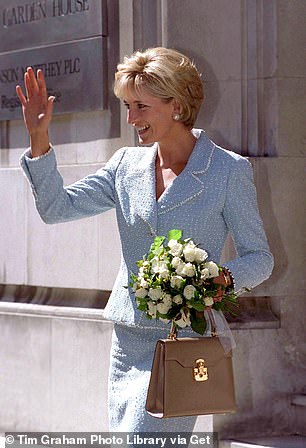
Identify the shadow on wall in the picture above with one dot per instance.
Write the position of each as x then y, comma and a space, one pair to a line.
211, 97
211, 88
71, 297
266, 207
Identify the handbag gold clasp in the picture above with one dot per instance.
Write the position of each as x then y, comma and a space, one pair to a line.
200, 372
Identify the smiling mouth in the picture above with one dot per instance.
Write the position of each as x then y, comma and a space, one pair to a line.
142, 129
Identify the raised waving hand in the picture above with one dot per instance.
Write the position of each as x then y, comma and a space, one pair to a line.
37, 110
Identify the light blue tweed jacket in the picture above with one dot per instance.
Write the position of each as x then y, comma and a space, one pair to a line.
212, 196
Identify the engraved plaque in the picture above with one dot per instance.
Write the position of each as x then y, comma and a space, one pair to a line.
74, 73
29, 23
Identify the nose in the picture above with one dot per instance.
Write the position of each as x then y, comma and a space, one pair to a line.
131, 116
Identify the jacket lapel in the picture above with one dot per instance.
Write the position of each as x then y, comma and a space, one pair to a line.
139, 183
191, 181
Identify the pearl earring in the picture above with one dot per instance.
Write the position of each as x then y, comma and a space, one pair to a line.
176, 117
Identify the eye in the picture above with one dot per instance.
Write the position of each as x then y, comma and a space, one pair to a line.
141, 106
126, 105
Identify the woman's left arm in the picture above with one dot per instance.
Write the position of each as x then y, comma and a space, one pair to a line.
255, 262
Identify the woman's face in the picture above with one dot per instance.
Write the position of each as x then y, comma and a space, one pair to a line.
151, 117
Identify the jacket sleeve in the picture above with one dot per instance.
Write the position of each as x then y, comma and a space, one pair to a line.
55, 203
255, 262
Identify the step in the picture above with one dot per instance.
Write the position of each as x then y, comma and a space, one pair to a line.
299, 405
293, 441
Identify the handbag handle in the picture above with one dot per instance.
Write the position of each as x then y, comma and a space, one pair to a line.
173, 331
212, 322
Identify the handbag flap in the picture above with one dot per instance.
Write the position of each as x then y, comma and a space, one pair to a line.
186, 350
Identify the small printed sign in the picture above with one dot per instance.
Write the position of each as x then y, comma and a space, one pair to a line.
74, 74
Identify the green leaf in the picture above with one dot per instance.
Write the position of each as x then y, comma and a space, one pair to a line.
174, 234
197, 305
198, 325
142, 307
218, 306
151, 255
134, 277
158, 241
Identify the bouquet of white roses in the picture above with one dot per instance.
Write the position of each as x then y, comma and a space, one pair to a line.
175, 282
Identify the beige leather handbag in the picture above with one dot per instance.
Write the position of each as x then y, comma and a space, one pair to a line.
190, 376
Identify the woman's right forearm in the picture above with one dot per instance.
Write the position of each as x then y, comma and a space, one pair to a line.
39, 143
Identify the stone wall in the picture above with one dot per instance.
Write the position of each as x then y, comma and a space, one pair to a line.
250, 54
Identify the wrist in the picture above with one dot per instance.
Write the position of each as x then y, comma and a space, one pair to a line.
39, 143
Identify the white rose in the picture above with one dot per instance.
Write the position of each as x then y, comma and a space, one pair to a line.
143, 283
176, 248
189, 291
154, 265
213, 269
135, 286
175, 262
176, 281
141, 271
178, 299
155, 293
152, 309
189, 270
165, 320
189, 252
204, 273
163, 307
167, 298
141, 293
160, 267
200, 255
184, 320
180, 269
163, 270
209, 301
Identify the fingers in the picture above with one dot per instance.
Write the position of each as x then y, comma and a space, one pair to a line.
33, 86
49, 109
33, 82
21, 96
41, 83
36, 90
30, 83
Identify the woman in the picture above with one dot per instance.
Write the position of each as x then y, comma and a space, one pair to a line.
182, 181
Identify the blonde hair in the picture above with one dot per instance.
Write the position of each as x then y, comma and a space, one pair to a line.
165, 74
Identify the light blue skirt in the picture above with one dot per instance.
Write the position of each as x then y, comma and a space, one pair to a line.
130, 368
